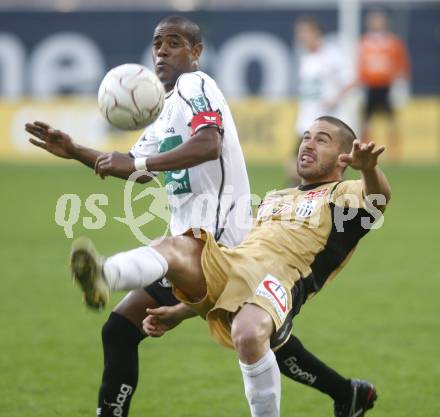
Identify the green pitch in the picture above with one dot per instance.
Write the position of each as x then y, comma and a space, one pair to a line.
378, 320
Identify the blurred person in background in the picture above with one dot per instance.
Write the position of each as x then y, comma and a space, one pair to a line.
383, 61
325, 75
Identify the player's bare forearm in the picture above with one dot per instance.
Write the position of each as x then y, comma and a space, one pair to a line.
119, 165
184, 312
86, 156
62, 145
162, 319
204, 146
105, 164
375, 182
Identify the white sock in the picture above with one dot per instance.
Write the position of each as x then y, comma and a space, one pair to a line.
134, 269
262, 385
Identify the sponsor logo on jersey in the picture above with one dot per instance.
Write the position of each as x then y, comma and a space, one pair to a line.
169, 130
124, 392
199, 104
281, 209
176, 182
316, 194
297, 372
272, 289
271, 207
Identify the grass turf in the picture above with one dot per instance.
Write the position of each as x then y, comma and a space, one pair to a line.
377, 320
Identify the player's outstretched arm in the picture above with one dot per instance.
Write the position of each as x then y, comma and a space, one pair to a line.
117, 164
61, 144
363, 157
162, 319
205, 145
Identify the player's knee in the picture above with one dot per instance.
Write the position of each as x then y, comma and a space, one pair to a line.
246, 336
109, 332
251, 330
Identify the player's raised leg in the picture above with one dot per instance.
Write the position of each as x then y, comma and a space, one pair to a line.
86, 266
251, 330
97, 276
178, 257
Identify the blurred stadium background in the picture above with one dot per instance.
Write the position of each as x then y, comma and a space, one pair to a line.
379, 320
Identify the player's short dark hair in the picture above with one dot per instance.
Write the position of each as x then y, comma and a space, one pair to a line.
191, 29
347, 133
311, 21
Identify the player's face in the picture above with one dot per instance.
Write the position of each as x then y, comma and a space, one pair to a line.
307, 35
173, 54
318, 156
377, 22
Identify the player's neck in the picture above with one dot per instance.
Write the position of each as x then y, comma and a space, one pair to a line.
314, 47
320, 180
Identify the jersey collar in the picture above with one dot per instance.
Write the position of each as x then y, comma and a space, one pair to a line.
312, 186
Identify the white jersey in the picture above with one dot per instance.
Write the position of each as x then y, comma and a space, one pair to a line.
322, 76
214, 195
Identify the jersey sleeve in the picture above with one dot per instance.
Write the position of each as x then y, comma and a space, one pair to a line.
349, 194
199, 96
145, 146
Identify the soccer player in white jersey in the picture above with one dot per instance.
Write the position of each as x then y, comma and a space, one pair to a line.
195, 143
324, 76
209, 194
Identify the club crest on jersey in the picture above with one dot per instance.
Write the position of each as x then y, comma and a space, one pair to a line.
199, 104
274, 291
305, 208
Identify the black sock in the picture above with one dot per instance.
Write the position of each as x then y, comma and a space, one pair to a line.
120, 340
298, 364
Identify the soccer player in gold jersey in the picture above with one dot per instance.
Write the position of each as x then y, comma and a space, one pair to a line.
302, 237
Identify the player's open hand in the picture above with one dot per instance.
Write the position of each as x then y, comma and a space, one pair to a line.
363, 156
52, 140
160, 320
114, 163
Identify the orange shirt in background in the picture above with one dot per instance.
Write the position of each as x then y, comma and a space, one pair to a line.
382, 58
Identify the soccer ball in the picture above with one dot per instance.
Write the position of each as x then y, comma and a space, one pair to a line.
131, 97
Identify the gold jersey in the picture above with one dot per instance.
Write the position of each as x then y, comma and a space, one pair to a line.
302, 237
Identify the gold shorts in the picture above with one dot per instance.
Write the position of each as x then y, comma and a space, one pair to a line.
243, 275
